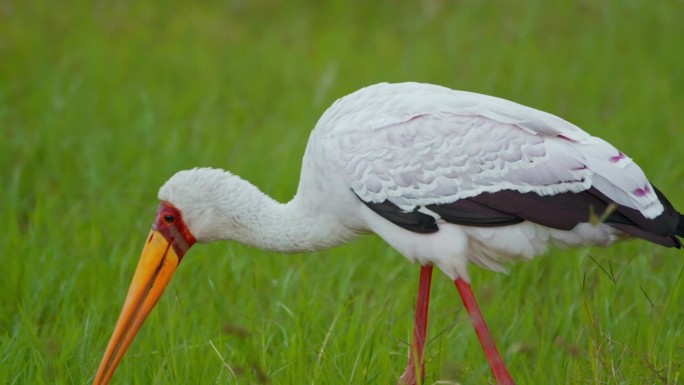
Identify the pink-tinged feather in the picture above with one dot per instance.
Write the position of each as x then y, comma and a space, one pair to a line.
643, 191
620, 156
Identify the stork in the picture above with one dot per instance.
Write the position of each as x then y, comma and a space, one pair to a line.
445, 177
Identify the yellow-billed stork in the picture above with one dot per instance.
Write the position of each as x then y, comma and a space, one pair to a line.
445, 177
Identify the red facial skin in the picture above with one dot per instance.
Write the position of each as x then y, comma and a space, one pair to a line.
169, 222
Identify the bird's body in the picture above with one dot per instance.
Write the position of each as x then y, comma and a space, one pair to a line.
418, 146
445, 177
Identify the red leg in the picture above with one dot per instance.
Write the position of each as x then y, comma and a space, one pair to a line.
501, 375
419, 331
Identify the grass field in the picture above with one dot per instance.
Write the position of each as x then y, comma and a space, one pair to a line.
101, 102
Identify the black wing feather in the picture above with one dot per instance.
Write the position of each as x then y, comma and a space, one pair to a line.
469, 212
410, 220
561, 211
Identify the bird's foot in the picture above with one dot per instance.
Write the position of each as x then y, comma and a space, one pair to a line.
409, 377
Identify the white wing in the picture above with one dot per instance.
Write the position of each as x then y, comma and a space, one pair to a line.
418, 144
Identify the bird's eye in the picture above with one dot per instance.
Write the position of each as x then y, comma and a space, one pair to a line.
168, 218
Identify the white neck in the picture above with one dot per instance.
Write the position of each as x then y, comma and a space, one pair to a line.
219, 205
290, 227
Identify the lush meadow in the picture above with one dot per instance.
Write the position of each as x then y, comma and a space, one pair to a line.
101, 102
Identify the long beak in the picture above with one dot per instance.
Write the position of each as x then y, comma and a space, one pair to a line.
157, 264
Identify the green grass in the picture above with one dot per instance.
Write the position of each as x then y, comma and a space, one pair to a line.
101, 102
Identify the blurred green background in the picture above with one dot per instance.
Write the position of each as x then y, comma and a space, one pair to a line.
101, 102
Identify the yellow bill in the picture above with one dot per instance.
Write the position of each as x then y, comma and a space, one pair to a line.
167, 242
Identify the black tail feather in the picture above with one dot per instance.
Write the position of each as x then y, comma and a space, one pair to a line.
680, 227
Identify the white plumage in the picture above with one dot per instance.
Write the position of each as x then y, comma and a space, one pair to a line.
418, 144
445, 177
415, 145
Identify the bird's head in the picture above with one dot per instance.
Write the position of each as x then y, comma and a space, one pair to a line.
192, 209
214, 203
